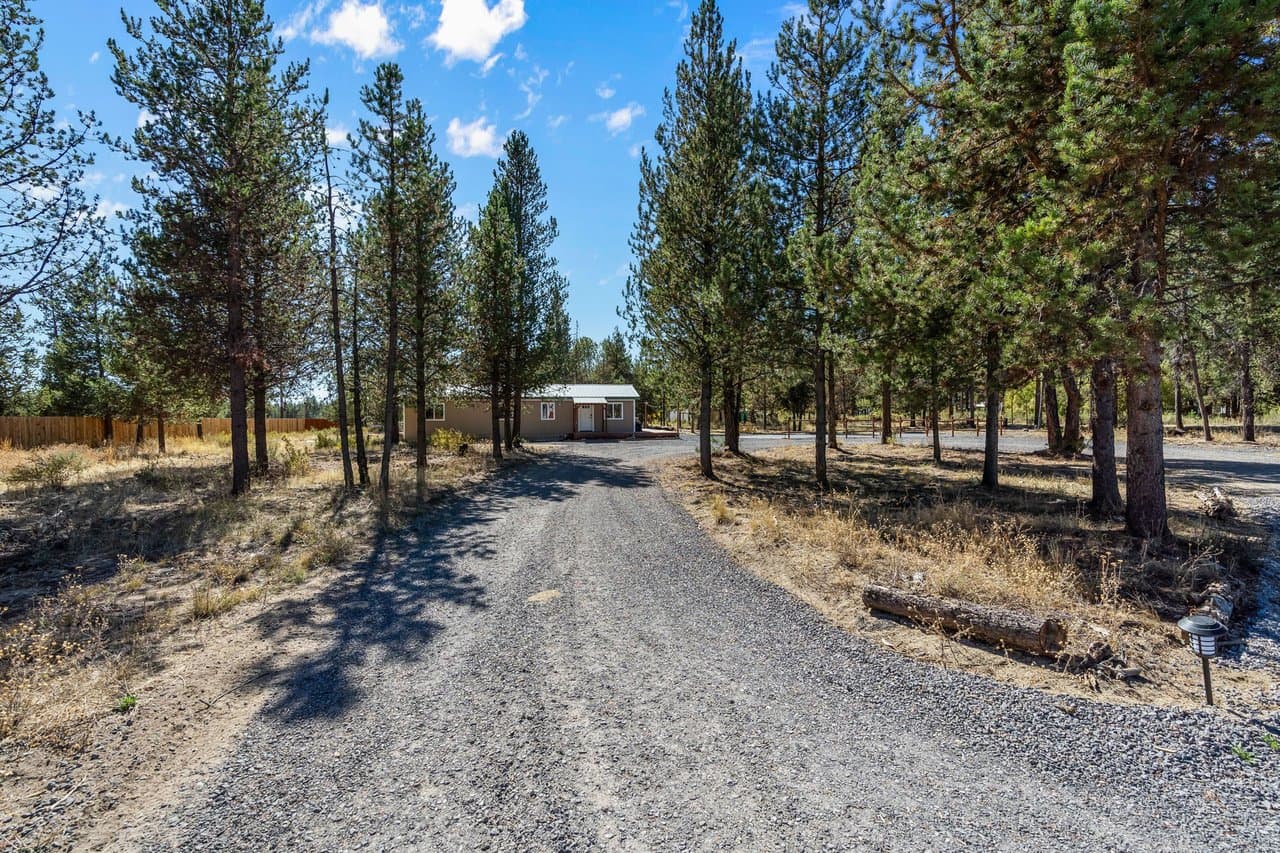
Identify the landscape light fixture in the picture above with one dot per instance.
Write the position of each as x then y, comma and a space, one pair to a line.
1203, 633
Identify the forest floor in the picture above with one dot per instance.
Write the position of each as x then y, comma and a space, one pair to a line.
894, 518
135, 596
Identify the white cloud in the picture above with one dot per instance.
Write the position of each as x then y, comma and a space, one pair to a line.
471, 29
298, 22
478, 138
92, 179
532, 88
489, 63
363, 27
556, 121
757, 51
469, 211
634, 151
336, 136
681, 7
94, 57
415, 14
106, 209
146, 117
605, 91
521, 54
620, 119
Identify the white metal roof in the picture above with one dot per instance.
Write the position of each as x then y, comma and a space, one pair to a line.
585, 393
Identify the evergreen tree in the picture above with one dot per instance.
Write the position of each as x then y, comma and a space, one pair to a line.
44, 214
492, 279
688, 239
223, 141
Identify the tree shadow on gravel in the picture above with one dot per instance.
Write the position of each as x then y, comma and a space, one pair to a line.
391, 605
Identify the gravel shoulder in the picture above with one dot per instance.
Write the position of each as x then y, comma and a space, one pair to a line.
561, 659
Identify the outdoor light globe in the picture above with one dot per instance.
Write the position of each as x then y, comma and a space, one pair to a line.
1202, 632
1205, 646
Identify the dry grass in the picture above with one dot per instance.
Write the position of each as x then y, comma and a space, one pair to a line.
894, 518
120, 549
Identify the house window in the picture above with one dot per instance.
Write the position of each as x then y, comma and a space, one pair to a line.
613, 412
548, 411
435, 411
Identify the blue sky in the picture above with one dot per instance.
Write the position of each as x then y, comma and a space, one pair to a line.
583, 79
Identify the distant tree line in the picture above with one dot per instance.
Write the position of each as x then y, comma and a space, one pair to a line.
949, 200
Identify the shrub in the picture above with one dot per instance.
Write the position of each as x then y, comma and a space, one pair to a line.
293, 457
326, 439
449, 439
54, 470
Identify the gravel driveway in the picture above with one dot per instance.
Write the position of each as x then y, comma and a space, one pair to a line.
561, 660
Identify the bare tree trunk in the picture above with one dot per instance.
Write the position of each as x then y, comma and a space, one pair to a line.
1105, 500
704, 420
1038, 418
933, 408
420, 387
833, 411
1177, 390
261, 458
1072, 437
1146, 511
991, 449
886, 411
517, 404
1052, 425
495, 415
820, 416
160, 445
357, 402
239, 360
1206, 430
108, 428
139, 433
1247, 414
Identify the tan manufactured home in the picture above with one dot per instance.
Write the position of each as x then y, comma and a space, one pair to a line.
554, 412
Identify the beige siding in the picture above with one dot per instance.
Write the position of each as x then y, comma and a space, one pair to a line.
471, 417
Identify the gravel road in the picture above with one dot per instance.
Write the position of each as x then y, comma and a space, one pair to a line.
561, 660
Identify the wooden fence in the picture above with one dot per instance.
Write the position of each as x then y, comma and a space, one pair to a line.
22, 432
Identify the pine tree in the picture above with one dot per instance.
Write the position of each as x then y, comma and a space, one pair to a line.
44, 214
222, 139
386, 145
815, 116
688, 239
492, 279
542, 288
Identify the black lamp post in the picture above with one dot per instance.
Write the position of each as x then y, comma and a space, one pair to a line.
1203, 633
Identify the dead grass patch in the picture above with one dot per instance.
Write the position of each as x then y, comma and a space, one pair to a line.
892, 517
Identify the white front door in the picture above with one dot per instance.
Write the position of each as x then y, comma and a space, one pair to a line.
586, 419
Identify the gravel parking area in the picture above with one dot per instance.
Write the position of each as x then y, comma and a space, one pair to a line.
562, 660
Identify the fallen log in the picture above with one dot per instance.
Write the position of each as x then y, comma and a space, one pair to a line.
1221, 599
1013, 629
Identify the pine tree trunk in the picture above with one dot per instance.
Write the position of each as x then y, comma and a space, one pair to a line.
1072, 437
820, 417
991, 449
495, 414
262, 459
1038, 418
357, 402
517, 404
1105, 500
886, 411
1198, 387
833, 411
140, 432
1052, 426
1247, 413
238, 385
1177, 391
420, 388
933, 408
108, 428
1146, 512
704, 420
160, 445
